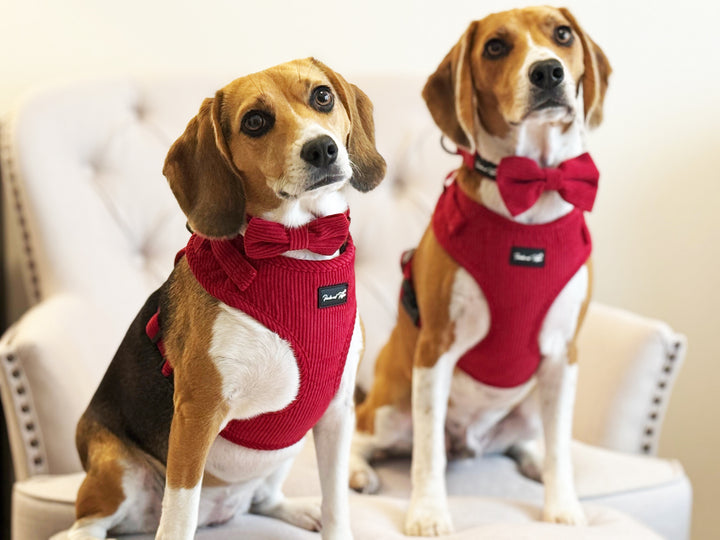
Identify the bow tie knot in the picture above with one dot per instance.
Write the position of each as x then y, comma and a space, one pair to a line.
325, 235
553, 179
521, 182
298, 238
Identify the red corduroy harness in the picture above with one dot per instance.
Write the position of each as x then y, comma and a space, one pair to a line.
520, 268
310, 304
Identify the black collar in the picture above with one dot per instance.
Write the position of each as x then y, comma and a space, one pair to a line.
473, 161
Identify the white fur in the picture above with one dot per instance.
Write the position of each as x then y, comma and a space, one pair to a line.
333, 435
428, 514
258, 368
179, 514
558, 381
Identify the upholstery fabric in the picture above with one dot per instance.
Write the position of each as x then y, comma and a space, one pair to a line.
487, 497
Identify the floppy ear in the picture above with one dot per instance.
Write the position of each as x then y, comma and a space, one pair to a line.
450, 95
597, 73
368, 165
202, 176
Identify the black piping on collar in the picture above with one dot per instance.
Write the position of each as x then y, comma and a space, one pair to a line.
480, 164
485, 167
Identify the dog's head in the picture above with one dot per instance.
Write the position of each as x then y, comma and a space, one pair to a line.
511, 67
295, 130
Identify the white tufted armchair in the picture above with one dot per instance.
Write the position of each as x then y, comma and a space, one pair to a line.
91, 228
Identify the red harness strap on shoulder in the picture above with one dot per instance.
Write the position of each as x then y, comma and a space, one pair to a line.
520, 268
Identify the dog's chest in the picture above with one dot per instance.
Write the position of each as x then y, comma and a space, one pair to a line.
258, 368
511, 276
479, 405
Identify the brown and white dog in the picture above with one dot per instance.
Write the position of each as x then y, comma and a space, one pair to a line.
526, 82
281, 144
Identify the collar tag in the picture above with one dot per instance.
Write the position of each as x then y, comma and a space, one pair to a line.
332, 295
522, 256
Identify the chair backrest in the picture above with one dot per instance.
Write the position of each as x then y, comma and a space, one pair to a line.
92, 223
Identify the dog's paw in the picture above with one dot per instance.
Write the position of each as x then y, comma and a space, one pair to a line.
302, 513
363, 477
566, 513
428, 517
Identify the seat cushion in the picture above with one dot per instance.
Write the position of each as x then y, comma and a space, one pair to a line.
623, 496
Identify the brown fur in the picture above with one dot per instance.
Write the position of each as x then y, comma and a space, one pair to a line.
219, 174
467, 86
104, 457
199, 405
409, 346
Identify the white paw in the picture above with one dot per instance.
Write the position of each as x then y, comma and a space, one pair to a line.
568, 512
362, 476
301, 513
428, 517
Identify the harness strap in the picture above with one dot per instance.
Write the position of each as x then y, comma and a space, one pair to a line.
153, 331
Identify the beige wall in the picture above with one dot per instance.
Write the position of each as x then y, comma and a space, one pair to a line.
656, 224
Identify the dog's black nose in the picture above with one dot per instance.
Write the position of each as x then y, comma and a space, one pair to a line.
320, 152
547, 74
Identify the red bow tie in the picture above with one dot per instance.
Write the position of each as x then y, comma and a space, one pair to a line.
521, 181
324, 235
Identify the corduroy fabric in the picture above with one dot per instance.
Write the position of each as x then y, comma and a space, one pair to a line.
323, 235
283, 294
483, 242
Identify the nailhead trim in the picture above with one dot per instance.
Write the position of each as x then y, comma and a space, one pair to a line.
34, 455
15, 198
651, 431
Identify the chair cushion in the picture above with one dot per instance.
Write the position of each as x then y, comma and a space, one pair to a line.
488, 499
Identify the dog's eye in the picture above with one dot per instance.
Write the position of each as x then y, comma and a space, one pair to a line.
564, 36
256, 123
322, 99
496, 48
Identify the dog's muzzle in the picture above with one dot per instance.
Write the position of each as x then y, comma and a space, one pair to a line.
321, 155
546, 77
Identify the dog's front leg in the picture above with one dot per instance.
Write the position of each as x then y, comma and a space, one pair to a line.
333, 436
195, 425
428, 514
557, 383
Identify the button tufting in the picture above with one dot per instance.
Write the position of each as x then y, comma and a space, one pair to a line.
139, 110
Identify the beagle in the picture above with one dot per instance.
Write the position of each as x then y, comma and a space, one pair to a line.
483, 354
254, 339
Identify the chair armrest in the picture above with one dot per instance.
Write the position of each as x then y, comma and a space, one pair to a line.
628, 365
50, 362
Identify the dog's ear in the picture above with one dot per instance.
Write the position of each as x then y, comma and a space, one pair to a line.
202, 176
597, 73
367, 164
449, 92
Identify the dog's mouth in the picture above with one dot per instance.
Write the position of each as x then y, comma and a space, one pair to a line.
547, 104
325, 181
